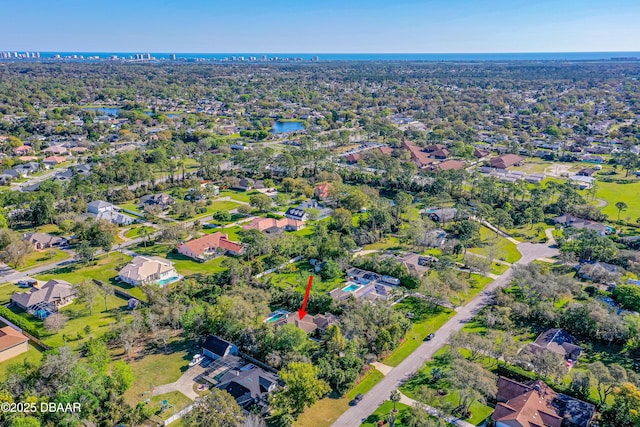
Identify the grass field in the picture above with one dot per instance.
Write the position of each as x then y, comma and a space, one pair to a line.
528, 233
383, 413
388, 243
184, 265
177, 400
33, 355
241, 196
135, 232
324, 412
48, 256
157, 369
105, 269
131, 207
211, 209
427, 319
298, 276
612, 193
496, 245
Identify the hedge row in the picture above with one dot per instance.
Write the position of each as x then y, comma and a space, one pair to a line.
20, 321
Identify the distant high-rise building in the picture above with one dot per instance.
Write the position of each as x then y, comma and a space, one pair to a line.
172, 57
264, 57
37, 54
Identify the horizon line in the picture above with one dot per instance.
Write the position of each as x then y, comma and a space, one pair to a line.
321, 53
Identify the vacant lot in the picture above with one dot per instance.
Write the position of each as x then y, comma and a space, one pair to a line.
184, 265
612, 193
329, 409
496, 247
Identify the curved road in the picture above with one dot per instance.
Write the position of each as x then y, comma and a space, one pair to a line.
355, 415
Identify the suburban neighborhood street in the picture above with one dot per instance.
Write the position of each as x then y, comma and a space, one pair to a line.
355, 415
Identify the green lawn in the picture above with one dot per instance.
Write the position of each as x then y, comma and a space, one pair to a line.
613, 193
232, 232
211, 209
135, 232
177, 400
132, 207
383, 412
241, 196
33, 355
427, 320
48, 256
297, 277
479, 412
388, 243
105, 269
324, 412
184, 265
502, 248
157, 369
8, 289
73, 333
528, 233
477, 283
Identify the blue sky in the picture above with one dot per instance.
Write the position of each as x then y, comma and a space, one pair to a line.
321, 26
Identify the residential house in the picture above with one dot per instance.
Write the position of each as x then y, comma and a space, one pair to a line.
217, 348
323, 191
55, 150
207, 247
417, 264
535, 404
12, 343
353, 158
506, 161
142, 270
268, 225
296, 214
601, 272
244, 184
586, 172
116, 217
419, 157
98, 206
22, 150
583, 182
441, 154
480, 153
451, 165
43, 241
162, 200
79, 150
27, 169
442, 215
569, 220
47, 299
435, 238
386, 150
557, 341
249, 386
308, 323
54, 160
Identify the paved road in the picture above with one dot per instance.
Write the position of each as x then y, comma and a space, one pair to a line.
395, 378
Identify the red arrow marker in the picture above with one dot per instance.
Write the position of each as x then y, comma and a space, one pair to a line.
303, 311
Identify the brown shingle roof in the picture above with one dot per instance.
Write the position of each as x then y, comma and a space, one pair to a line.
215, 240
9, 337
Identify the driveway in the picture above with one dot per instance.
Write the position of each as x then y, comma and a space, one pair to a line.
395, 377
184, 384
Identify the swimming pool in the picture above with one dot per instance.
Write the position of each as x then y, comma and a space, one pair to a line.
276, 315
352, 287
167, 281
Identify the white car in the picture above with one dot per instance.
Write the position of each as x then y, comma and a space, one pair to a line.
196, 360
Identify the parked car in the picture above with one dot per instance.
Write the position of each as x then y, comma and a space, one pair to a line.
429, 337
356, 400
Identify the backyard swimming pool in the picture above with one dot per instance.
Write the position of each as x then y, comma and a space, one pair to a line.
352, 287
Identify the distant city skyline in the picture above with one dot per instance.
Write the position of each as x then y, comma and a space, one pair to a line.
331, 26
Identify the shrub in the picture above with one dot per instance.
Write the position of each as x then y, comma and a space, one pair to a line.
20, 321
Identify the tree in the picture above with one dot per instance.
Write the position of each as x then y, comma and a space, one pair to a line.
621, 206
86, 294
15, 252
262, 202
85, 252
341, 220
122, 375
217, 409
395, 398
106, 291
625, 411
303, 388
473, 382
606, 378
330, 270
55, 322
